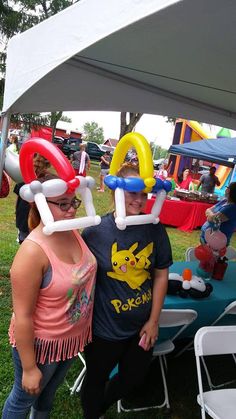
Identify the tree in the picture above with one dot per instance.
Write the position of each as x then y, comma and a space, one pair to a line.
54, 118
158, 152
128, 121
92, 132
29, 120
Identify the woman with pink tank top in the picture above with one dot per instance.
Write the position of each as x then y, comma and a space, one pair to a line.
53, 281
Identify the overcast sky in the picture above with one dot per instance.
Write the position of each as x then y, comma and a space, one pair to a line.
153, 127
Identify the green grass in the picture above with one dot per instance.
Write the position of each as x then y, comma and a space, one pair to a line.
182, 377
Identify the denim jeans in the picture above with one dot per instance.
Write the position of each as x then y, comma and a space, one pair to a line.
19, 402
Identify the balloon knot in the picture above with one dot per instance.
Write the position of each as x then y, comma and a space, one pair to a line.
72, 185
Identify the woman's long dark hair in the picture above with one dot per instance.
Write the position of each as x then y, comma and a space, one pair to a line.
180, 177
15, 141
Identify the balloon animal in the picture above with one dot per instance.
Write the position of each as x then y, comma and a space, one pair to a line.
209, 253
188, 285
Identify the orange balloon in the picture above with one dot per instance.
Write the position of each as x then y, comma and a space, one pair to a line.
187, 274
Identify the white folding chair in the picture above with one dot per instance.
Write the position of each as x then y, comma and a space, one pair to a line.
180, 318
230, 309
215, 340
190, 255
79, 380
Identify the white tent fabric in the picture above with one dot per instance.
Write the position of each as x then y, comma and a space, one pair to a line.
166, 57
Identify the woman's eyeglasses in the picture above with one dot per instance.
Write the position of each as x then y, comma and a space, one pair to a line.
65, 206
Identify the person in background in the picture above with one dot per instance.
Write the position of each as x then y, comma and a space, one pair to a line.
222, 214
105, 164
41, 166
53, 281
14, 145
185, 180
81, 161
134, 158
131, 284
209, 181
161, 173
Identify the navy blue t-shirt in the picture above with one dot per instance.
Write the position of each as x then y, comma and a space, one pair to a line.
126, 259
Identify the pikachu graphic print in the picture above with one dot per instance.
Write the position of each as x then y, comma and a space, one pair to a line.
130, 268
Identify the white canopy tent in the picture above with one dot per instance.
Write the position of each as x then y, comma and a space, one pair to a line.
165, 57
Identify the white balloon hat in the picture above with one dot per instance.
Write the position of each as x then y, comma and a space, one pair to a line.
35, 191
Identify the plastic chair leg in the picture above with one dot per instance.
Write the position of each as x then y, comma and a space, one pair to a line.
78, 382
121, 408
210, 383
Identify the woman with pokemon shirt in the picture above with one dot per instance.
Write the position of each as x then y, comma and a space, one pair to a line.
132, 280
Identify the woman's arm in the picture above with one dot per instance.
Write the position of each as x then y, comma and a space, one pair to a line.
26, 277
209, 212
215, 216
159, 290
88, 162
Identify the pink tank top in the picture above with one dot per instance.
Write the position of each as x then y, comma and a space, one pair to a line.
63, 312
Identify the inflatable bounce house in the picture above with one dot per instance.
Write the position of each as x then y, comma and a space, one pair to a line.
191, 131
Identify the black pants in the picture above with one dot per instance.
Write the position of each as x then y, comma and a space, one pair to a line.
99, 392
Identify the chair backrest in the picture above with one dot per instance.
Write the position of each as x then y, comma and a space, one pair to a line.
230, 253
215, 340
190, 255
177, 318
229, 309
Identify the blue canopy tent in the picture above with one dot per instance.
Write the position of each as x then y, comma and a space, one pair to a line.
220, 150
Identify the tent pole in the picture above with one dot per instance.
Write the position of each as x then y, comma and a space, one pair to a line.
232, 174
5, 127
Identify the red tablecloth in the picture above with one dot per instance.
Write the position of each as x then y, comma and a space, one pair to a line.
182, 214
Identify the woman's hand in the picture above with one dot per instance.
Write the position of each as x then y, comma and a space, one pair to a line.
151, 330
31, 380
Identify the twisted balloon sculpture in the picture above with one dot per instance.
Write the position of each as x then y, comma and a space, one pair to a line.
35, 191
146, 182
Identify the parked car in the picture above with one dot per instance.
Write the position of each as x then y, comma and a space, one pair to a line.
94, 150
71, 146
67, 145
58, 141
